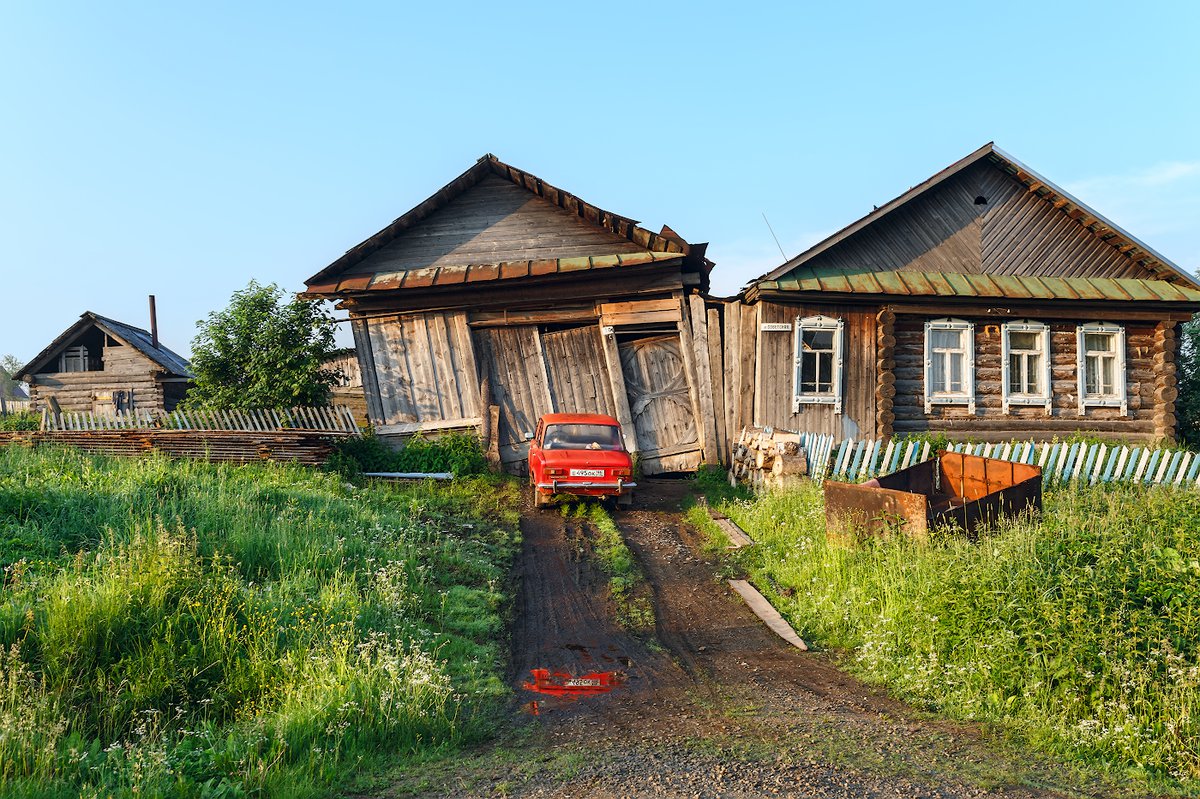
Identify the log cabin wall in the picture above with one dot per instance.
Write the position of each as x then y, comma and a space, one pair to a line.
773, 366
1149, 375
124, 375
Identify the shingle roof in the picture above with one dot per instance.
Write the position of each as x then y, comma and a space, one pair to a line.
949, 284
171, 362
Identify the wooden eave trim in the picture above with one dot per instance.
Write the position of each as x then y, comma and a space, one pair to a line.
915, 305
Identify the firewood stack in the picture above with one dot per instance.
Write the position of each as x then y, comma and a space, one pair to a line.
767, 458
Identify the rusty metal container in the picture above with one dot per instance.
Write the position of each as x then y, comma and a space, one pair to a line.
952, 489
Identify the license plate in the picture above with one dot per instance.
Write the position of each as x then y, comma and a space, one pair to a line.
587, 472
582, 682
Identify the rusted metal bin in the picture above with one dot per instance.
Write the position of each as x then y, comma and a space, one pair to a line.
951, 489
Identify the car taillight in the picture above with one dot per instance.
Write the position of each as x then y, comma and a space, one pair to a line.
621, 472
552, 472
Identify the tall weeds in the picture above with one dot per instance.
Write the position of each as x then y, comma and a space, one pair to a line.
1080, 629
185, 629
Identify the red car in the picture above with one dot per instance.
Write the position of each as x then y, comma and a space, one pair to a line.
579, 453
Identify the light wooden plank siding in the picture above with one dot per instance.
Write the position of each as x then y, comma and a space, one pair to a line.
777, 356
424, 373
579, 380
520, 385
944, 230
991, 423
492, 222
370, 367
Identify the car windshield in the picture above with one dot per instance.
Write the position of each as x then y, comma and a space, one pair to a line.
582, 436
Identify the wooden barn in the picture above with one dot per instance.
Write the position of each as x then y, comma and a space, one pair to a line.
984, 303
502, 297
348, 392
100, 365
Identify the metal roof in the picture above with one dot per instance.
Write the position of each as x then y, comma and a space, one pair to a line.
1156, 264
171, 362
951, 284
478, 273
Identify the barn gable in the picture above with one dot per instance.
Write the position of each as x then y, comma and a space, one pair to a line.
985, 215
497, 222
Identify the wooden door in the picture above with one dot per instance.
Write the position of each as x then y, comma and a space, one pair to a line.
578, 376
659, 402
519, 386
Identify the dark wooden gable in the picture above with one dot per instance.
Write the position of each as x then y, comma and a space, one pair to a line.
981, 220
491, 222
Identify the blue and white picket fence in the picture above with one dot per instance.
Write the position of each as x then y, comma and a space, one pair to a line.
853, 460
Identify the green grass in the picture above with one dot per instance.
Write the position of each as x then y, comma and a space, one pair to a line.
173, 628
1079, 632
626, 584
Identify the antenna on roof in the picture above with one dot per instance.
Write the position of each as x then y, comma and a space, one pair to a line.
777, 244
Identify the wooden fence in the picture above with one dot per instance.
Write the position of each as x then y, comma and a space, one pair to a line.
1061, 463
334, 419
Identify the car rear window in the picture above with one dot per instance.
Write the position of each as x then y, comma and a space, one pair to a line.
582, 436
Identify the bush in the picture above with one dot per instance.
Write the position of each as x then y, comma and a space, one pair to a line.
459, 453
25, 420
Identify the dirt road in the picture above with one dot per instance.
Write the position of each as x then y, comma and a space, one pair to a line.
712, 704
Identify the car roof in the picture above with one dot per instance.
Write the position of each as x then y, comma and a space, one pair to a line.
579, 418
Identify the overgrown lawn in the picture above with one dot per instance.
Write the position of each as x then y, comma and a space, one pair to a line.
186, 629
1079, 630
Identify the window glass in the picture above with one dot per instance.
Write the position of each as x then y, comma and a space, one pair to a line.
1025, 363
1100, 364
948, 358
816, 360
582, 436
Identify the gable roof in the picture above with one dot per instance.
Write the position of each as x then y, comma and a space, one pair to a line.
1156, 265
171, 362
631, 244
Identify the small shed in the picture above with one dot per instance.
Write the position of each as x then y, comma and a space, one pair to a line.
502, 297
100, 365
348, 391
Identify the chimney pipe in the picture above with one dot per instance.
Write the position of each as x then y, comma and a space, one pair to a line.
153, 323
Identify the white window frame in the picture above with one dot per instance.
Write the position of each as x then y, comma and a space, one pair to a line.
833, 398
967, 396
73, 355
1119, 399
1007, 397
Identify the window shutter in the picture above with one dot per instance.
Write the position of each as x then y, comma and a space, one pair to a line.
1047, 370
969, 367
1004, 368
1120, 376
1080, 369
796, 338
928, 368
838, 355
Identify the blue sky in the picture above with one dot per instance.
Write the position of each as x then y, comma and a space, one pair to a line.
183, 149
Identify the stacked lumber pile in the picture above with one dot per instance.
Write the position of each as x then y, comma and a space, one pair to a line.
767, 458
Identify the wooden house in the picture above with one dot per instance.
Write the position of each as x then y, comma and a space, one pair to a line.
984, 303
502, 297
103, 366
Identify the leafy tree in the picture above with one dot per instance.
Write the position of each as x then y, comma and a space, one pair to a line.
9, 366
1187, 404
266, 350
